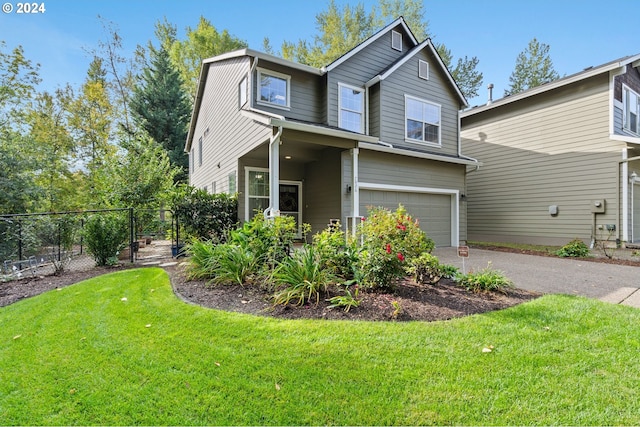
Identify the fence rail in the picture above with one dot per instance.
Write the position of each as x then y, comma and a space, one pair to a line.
51, 242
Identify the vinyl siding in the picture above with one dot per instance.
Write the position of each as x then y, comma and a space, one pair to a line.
229, 135
305, 98
360, 68
551, 149
437, 90
380, 168
323, 190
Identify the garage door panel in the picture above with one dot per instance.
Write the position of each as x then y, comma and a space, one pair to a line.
432, 210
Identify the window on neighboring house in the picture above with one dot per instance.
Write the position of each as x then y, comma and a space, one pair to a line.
257, 191
351, 106
191, 161
200, 151
396, 40
242, 88
423, 69
631, 102
422, 120
214, 188
274, 88
232, 183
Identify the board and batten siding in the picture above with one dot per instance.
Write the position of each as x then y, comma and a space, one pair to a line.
436, 89
550, 149
360, 68
226, 134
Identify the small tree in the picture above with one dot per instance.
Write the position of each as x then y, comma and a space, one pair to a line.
533, 68
105, 235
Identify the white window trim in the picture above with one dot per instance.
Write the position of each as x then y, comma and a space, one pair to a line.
625, 111
247, 214
418, 141
362, 113
426, 64
285, 77
243, 93
395, 35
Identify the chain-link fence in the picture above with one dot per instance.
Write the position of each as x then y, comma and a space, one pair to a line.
50, 243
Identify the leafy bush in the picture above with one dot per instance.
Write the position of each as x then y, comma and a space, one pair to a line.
346, 301
389, 241
202, 259
575, 248
487, 279
105, 235
337, 252
425, 269
302, 276
203, 215
269, 240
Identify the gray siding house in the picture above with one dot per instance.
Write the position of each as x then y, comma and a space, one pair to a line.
377, 127
560, 161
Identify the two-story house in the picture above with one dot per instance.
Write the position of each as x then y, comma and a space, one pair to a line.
377, 127
560, 161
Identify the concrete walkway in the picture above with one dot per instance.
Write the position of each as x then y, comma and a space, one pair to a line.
618, 284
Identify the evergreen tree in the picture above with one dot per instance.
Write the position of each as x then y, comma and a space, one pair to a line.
160, 107
533, 68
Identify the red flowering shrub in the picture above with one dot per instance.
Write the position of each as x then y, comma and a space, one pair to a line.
389, 241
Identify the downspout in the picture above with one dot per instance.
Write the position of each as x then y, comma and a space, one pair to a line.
274, 176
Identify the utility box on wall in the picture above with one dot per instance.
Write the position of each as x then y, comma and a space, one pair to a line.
598, 206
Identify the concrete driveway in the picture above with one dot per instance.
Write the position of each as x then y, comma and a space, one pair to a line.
608, 282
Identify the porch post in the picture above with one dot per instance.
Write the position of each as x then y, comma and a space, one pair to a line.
274, 175
355, 192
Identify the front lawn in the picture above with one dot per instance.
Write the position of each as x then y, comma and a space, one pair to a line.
121, 349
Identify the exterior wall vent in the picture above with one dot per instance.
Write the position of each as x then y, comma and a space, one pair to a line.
396, 40
423, 69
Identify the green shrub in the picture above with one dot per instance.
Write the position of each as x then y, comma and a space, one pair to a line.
347, 300
203, 215
202, 259
487, 279
425, 269
389, 241
575, 248
302, 277
105, 235
235, 264
337, 252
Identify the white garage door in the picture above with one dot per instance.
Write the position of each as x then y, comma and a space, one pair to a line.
432, 210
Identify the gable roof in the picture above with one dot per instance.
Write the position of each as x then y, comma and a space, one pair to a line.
402, 60
618, 64
400, 21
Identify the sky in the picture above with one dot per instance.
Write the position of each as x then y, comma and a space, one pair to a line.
580, 33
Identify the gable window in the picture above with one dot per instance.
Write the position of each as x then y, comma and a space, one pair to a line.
423, 69
242, 88
273, 88
631, 102
351, 108
396, 40
422, 121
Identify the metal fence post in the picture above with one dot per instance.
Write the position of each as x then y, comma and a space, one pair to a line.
131, 232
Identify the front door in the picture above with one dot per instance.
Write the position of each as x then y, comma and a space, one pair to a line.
291, 202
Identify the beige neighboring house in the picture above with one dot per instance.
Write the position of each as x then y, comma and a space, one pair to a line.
560, 161
377, 127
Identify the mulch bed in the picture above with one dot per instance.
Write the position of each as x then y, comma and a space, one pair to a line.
429, 303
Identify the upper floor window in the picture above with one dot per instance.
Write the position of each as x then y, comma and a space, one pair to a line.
351, 106
631, 102
273, 88
422, 120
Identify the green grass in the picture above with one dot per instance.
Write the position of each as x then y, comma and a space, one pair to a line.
520, 246
83, 356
